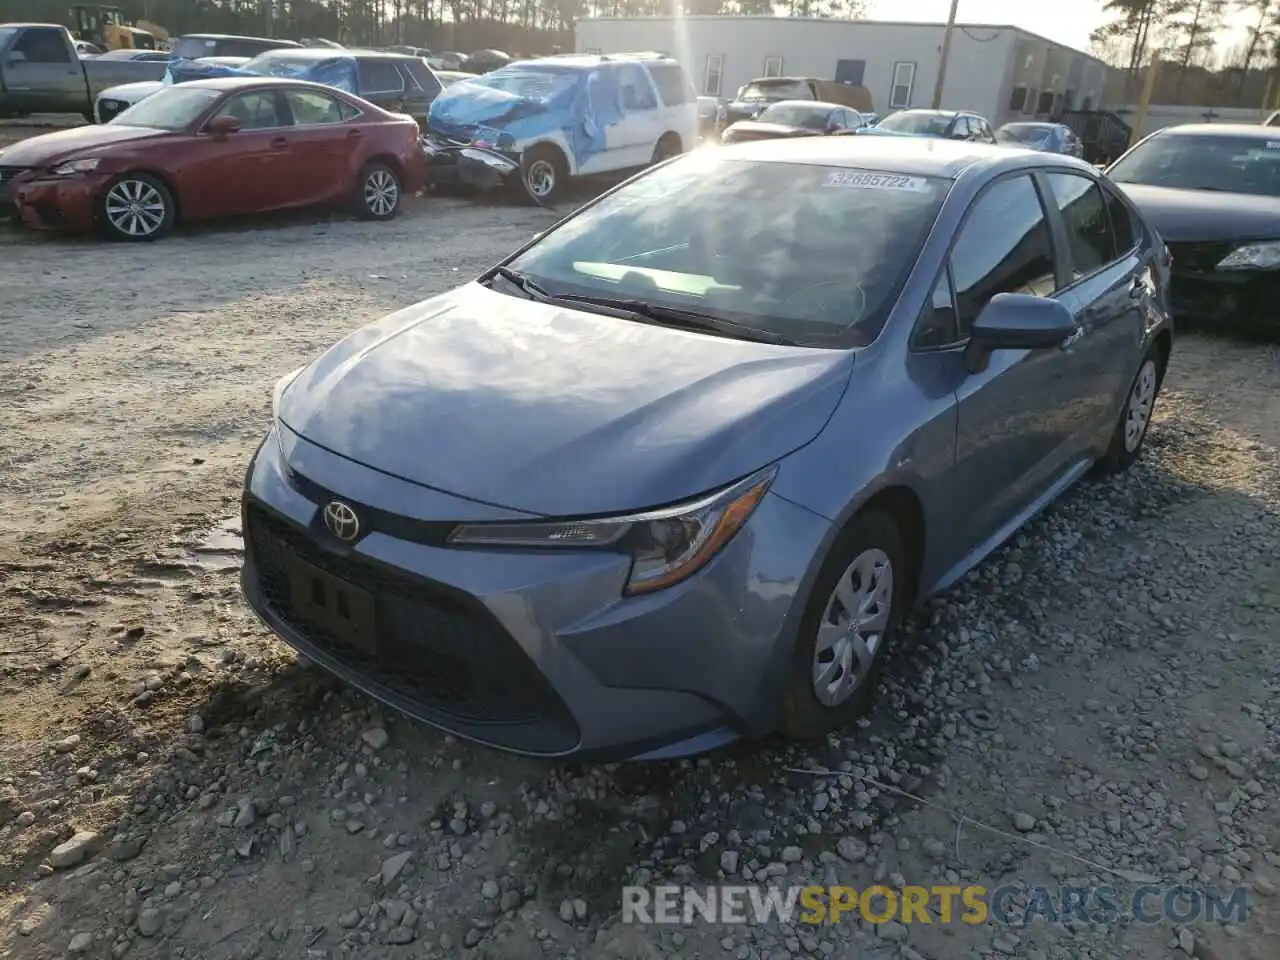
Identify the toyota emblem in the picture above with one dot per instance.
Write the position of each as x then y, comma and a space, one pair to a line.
341, 521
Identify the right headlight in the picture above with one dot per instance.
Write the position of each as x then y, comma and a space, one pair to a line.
277, 392
666, 546
1253, 256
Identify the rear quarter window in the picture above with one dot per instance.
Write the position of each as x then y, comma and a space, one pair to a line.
673, 86
422, 76
379, 76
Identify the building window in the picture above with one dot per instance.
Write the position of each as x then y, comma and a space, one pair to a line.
904, 79
1018, 100
715, 70
1046, 103
595, 51
773, 66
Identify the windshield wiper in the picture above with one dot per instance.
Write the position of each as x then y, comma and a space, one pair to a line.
527, 285
684, 319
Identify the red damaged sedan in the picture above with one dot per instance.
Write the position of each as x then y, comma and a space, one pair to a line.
216, 148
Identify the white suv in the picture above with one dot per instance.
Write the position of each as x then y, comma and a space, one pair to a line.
575, 114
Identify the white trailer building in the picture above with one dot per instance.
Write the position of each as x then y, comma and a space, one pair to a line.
1001, 72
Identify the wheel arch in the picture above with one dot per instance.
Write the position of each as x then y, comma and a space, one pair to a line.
673, 135
1163, 344
904, 507
388, 160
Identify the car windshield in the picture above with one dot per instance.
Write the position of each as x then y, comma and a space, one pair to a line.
933, 124
786, 90
1025, 133
1203, 162
283, 65
528, 82
810, 254
796, 115
173, 108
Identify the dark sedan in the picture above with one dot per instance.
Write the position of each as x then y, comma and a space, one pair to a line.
795, 118
1213, 193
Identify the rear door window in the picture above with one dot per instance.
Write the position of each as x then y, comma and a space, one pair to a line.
673, 86
311, 108
379, 76
634, 92
1085, 218
1121, 222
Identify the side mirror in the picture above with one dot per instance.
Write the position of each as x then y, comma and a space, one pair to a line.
222, 125
1017, 321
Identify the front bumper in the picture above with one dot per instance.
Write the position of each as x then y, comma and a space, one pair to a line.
533, 653
65, 204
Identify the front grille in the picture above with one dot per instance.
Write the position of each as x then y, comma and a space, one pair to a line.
431, 646
1198, 257
109, 109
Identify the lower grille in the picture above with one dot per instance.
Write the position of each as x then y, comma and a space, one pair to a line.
428, 646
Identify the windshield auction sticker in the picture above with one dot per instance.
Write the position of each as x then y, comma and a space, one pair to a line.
876, 181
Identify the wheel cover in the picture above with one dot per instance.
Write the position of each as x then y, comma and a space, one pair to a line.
381, 193
135, 208
852, 628
1137, 412
541, 178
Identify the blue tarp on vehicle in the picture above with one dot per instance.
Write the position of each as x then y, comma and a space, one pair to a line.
337, 71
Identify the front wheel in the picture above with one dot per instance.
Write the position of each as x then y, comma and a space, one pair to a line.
848, 626
136, 207
544, 174
378, 193
1135, 417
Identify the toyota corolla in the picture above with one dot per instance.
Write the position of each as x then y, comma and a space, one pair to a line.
674, 472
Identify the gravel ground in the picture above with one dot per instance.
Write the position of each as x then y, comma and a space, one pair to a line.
174, 784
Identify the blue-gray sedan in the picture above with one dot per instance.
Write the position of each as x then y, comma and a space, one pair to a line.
673, 473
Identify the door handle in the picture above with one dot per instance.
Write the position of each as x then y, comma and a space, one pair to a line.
1137, 289
279, 142
353, 134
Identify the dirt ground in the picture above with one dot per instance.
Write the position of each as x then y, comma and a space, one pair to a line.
1102, 695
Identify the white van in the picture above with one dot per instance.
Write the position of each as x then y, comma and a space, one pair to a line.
567, 116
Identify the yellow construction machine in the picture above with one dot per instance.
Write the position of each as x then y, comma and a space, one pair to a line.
106, 27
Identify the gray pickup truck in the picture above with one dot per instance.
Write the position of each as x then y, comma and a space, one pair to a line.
41, 72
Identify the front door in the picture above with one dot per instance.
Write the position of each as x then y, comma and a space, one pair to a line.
1017, 423
852, 72
42, 75
245, 172
322, 146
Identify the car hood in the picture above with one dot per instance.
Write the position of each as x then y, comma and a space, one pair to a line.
759, 130
132, 92
1186, 216
558, 412
45, 149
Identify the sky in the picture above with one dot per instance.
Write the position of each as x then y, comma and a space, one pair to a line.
1067, 21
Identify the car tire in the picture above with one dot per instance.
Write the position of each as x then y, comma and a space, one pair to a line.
136, 207
1135, 415
544, 173
836, 668
378, 192
668, 146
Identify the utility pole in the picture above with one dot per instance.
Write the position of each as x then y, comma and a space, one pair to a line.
946, 52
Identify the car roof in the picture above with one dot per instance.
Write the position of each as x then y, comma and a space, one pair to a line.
330, 53
918, 157
236, 36
1031, 123
1242, 131
238, 83
818, 104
